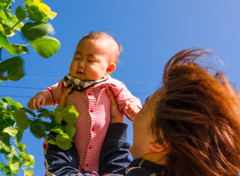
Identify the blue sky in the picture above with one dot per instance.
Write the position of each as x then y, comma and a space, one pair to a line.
150, 33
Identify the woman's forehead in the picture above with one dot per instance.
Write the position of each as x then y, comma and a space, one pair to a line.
156, 96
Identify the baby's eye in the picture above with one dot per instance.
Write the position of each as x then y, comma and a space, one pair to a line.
90, 60
77, 58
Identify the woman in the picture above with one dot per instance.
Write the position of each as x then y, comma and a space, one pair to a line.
190, 126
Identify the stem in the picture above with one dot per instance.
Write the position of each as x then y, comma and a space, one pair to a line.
15, 25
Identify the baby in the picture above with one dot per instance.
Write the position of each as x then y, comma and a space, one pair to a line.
94, 60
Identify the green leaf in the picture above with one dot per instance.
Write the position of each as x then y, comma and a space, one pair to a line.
29, 112
13, 67
50, 139
28, 172
15, 22
12, 102
58, 116
6, 45
46, 46
19, 135
12, 131
20, 49
5, 139
38, 128
14, 165
57, 129
4, 149
35, 14
63, 141
6, 170
70, 129
46, 10
21, 119
20, 13
70, 114
3, 16
10, 22
27, 159
45, 113
12, 154
39, 11
3, 124
3, 105
33, 31
21, 147
8, 117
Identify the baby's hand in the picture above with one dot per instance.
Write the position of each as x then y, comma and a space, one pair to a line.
36, 101
130, 109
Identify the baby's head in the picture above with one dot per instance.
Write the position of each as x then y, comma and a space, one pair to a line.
96, 56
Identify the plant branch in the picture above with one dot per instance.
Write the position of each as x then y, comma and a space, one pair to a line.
15, 25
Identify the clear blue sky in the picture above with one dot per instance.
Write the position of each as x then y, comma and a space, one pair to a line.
150, 33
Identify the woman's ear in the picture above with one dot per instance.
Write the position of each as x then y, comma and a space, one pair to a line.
158, 148
111, 68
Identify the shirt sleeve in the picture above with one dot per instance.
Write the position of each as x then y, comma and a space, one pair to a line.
56, 91
114, 157
122, 95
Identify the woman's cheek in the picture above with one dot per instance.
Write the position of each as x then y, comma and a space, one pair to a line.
131, 150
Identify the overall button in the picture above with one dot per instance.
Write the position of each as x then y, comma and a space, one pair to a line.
90, 147
91, 110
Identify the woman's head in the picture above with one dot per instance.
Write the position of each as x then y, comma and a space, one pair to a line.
199, 116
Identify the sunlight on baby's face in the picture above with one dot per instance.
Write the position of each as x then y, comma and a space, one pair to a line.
91, 60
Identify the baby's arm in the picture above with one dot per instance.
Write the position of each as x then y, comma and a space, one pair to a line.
48, 97
41, 98
128, 103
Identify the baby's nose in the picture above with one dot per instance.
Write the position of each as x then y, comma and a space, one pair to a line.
81, 64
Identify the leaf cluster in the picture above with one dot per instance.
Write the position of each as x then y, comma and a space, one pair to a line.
16, 157
30, 19
14, 119
60, 130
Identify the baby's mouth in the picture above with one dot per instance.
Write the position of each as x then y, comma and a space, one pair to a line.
81, 73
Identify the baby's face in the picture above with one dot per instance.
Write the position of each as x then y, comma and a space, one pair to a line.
91, 60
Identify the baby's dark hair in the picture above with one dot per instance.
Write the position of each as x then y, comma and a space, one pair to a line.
99, 34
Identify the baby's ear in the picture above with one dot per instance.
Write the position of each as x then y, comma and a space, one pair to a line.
157, 148
111, 68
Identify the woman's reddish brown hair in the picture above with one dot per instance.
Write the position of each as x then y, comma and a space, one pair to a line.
199, 115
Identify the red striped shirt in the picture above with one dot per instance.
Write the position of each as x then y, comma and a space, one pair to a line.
93, 106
